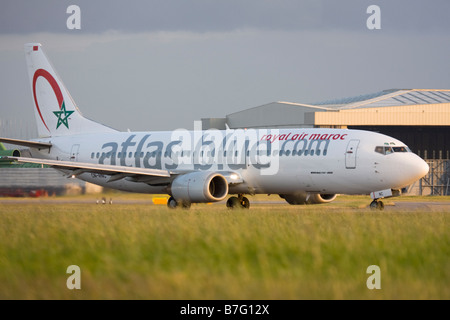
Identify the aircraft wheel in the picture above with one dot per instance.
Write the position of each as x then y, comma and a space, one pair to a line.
233, 203
245, 203
185, 205
238, 203
172, 203
377, 205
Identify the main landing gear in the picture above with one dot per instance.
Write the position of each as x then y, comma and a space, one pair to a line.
239, 202
173, 204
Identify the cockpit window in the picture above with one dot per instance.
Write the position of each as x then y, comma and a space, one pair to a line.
400, 149
379, 150
389, 150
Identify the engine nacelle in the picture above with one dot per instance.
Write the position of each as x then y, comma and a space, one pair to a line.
199, 186
307, 198
10, 153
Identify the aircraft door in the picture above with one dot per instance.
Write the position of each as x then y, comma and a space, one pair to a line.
350, 154
74, 152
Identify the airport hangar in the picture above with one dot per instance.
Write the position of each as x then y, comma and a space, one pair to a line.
418, 117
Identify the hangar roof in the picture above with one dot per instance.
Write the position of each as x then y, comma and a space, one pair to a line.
390, 98
392, 107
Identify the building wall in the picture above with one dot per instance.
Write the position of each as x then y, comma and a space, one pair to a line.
214, 123
276, 114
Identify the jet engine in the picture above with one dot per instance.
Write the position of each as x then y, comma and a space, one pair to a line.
199, 187
10, 153
308, 198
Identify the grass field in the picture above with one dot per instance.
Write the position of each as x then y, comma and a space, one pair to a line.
143, 251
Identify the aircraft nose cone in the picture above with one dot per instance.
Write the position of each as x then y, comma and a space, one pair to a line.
418, 167
410, 169
424, 167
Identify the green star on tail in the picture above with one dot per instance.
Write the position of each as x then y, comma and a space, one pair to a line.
63, 116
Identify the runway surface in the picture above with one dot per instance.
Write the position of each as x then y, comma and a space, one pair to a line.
390, 205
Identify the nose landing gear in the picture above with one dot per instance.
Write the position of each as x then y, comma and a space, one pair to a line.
377, 204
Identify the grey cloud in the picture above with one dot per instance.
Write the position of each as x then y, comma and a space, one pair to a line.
20, 16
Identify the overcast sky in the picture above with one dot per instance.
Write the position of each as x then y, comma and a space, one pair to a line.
160, 65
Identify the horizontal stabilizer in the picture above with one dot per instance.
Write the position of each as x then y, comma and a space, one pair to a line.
27, 143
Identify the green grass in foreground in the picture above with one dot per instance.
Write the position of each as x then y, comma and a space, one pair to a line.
274, 252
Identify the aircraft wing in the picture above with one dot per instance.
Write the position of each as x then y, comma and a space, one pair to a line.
150, 176
27, 143
116, 172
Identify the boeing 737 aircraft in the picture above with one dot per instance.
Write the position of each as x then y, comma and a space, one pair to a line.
303, 166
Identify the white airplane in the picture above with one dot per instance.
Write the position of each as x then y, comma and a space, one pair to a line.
303, 166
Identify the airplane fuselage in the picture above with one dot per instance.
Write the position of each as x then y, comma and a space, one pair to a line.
278, 161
